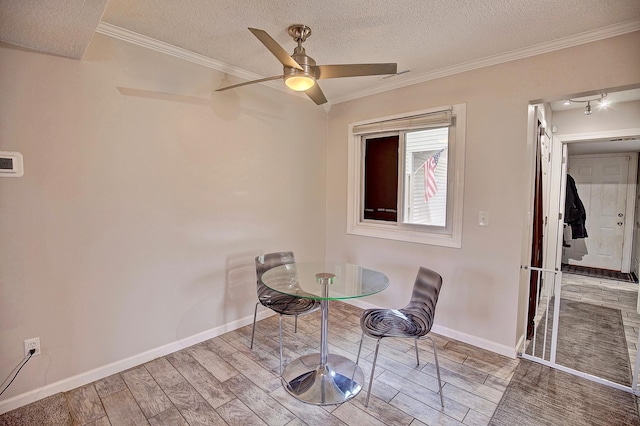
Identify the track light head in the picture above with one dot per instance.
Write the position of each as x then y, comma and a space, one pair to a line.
602, 102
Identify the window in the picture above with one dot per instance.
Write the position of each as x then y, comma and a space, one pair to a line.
406, 177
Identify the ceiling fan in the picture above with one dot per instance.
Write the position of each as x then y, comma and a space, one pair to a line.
300, 70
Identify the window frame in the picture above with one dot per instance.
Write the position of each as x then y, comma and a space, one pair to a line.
449, 236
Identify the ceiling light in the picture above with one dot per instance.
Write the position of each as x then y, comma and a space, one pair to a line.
299, 83
602, 102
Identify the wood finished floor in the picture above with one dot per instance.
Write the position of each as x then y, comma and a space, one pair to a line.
221, 381
611, 294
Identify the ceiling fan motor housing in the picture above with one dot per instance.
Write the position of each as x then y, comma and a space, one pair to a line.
306, 62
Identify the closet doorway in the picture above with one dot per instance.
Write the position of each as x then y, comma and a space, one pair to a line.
579, 320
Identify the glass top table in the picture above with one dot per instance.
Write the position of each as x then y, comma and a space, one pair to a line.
324, 378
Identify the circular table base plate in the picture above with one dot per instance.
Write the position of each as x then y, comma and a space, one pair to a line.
339, 380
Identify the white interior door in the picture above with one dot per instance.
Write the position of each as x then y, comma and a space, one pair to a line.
602, 187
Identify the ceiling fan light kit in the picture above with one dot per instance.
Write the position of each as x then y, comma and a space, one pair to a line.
300, 72
299, 83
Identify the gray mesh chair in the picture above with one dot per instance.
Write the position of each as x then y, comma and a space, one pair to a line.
413, 321
283, 304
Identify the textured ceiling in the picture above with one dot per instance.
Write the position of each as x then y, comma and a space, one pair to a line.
425, 37
60, 27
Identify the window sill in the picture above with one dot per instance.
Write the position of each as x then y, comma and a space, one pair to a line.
392, 232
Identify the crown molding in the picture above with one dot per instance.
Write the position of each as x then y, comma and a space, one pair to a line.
539, 49
119, 33
562, 43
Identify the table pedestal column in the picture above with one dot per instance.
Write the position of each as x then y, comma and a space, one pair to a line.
323, 378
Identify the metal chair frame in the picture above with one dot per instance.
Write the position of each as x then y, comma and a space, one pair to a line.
412, 321
282, 304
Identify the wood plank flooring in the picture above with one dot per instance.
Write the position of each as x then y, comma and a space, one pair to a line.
612, 294
223, 382
609, 293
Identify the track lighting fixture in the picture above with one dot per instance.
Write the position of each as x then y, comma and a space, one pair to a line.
587, 109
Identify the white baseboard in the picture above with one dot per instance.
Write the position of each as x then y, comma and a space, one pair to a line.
475, 341
453, 334
359, 303
118, 366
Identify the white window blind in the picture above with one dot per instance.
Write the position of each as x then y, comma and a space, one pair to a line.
421, 121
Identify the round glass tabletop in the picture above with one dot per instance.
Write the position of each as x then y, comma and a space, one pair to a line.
305, 279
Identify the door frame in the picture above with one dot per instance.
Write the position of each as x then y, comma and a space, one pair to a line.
553, 246
557, 191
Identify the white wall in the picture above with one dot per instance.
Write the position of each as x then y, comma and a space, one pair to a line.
481, 300
137, 219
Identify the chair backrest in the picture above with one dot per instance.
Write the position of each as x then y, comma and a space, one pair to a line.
267, 261
424, 297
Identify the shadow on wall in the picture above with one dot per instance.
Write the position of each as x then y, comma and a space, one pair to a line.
225, 105
227, 302
240, 290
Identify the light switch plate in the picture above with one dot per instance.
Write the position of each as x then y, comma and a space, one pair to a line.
483, 218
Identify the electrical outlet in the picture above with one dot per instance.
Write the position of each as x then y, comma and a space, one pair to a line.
32, 344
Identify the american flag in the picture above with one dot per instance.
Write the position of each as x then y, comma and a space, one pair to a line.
430, 185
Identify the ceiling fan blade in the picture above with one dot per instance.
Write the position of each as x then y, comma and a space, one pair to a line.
354, 70
316, 95
277, 50
275, 77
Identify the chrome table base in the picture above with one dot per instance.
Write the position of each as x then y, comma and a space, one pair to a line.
334, 382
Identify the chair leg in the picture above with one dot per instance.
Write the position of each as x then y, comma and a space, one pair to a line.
253, 331
373, 369
435, 355
280, 321
417, 356
359, 348
295, 327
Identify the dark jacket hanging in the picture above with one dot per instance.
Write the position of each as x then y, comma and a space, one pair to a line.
574, 213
